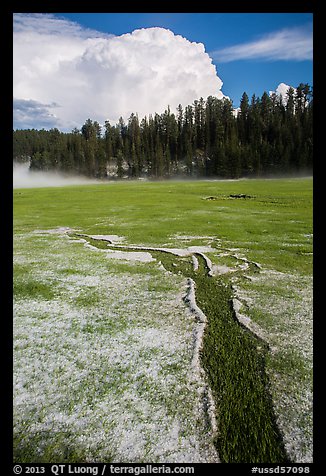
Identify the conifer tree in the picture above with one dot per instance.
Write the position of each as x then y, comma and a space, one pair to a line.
271, 134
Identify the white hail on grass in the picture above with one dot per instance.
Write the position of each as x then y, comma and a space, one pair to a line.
124, 370
111, 378
285, 303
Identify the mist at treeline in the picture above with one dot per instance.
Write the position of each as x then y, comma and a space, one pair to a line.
270, 134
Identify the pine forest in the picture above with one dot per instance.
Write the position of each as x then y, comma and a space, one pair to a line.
267, 135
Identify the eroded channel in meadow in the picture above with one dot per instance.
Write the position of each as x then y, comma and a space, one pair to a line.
232, 357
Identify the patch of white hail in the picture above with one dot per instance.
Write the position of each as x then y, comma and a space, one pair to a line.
222, 269
190, 299
114, 239
208, 263
143, 256
237, 305
144, 251
61, 230
108, 366
284, 302
176, 251
134, 336
195, 262
245, 261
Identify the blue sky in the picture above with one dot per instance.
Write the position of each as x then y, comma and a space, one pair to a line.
252, 52
217, 31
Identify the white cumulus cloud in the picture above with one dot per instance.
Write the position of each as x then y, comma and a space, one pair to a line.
282, 90
67, 73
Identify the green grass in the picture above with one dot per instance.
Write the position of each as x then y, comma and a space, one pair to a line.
273, 228
234, 360
235, 363
26, 286
150, 213
33, 288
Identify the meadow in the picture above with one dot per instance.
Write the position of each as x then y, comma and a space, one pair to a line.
105, 345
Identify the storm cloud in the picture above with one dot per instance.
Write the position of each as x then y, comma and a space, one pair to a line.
64, 74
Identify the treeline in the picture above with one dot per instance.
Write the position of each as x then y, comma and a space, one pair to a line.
268, 135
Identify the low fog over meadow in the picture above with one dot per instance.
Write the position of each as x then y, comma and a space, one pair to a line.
25, 178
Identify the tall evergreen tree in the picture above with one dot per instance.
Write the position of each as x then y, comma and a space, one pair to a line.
271, 134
